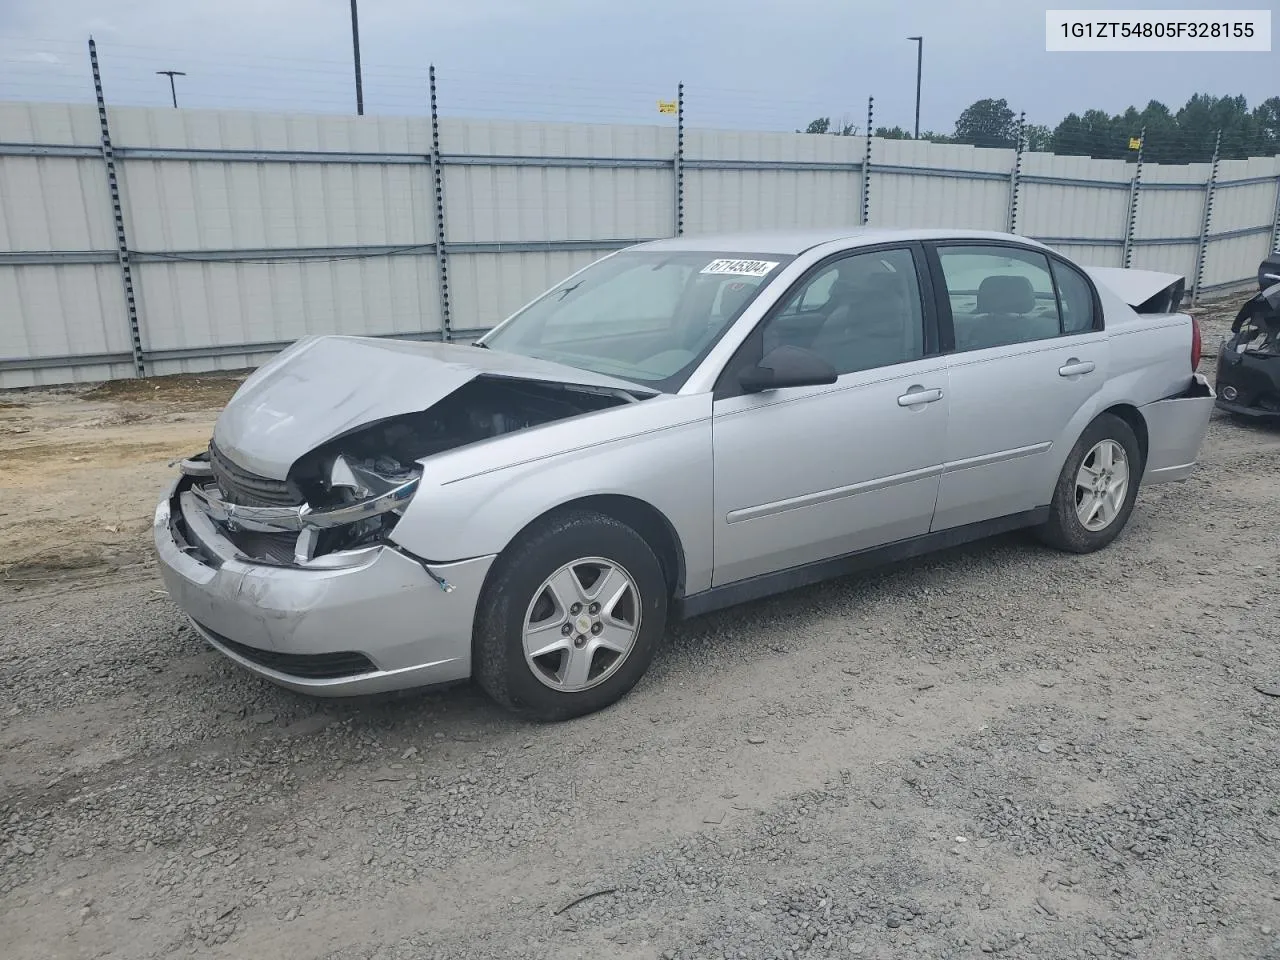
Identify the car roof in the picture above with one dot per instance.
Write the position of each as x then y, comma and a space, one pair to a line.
792, 242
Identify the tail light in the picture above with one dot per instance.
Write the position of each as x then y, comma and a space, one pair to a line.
1195, 344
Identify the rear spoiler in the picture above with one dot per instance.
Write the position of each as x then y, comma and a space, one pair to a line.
1147, 291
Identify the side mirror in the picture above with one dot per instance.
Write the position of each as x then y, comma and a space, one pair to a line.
787, 366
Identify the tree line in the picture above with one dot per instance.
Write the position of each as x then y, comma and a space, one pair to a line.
1183, 136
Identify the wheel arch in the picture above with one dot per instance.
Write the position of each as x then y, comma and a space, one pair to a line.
1083, 419
644, 518
1062, 528
1134, 418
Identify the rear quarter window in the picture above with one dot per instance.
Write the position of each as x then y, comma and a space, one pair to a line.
1075, 297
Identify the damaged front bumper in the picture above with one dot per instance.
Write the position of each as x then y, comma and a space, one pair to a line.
1249, 360
359, 621
1248, 383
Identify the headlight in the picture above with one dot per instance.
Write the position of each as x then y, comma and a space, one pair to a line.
382, 483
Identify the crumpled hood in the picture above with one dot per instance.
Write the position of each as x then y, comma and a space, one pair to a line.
322, 387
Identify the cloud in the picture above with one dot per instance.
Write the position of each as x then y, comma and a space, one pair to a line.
746, 64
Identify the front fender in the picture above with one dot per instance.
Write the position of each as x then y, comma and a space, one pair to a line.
667, 464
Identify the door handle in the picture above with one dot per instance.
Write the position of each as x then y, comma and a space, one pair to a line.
918, 395
1074, 367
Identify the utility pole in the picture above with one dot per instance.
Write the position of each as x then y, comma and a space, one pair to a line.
919, 67
172, 90
355, 45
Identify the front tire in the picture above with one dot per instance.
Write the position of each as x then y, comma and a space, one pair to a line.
570, 618
1096, 489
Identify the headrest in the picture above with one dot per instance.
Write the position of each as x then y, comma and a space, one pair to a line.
1006, 293
843, 290
886, 284
734, 296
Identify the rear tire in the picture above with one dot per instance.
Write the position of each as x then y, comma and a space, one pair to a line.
1097, 488
570, 617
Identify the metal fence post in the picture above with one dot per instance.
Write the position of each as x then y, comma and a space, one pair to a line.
1015, 176
442, 252
1202, 245
865, 215
678, 162
1135, 187
122, 242
1275, 220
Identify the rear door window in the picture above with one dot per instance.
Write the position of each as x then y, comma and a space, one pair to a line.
999, 295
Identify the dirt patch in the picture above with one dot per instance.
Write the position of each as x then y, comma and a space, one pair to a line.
207, 390
81, 469
89, 455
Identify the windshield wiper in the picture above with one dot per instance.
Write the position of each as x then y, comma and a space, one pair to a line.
568, 290
477, 343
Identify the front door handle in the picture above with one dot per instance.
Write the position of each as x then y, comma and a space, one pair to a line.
1074, 368
917, 395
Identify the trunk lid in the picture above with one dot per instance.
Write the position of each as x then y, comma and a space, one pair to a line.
323, 387
1147, 291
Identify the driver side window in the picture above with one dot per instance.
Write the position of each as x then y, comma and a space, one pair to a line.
858, 312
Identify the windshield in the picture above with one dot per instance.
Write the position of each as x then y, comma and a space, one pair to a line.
643, 316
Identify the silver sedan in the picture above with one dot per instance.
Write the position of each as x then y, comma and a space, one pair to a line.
678, 427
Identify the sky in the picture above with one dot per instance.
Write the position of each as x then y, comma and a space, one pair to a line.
745, 64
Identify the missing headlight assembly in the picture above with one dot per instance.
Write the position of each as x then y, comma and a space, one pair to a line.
362, 502
350, 492
1248, 381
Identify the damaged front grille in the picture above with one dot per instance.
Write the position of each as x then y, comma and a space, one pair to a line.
247, 489
350, 492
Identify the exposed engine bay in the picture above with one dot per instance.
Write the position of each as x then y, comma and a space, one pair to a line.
1248, 380
486, 407
351, 491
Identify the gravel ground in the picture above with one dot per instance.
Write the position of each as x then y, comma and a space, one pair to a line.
999, 750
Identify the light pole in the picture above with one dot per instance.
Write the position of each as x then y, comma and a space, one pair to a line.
919, 64
172, 90
355, 45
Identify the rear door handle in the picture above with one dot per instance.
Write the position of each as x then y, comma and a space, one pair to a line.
1074, 367
917, 395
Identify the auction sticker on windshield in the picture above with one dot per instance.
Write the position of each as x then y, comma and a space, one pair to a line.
740, 268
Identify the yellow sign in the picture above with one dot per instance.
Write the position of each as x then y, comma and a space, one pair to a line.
667, 106
1135, 143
